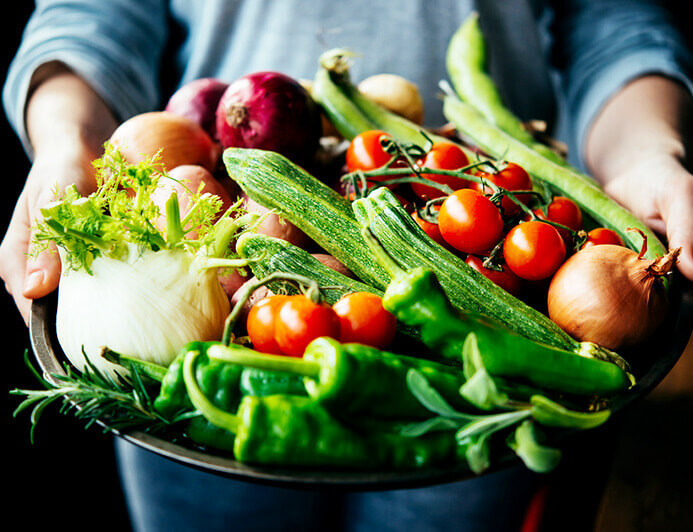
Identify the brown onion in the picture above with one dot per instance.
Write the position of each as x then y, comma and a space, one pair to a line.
395, 94
178, 139
610, 295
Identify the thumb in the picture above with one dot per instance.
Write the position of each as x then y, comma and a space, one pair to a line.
679, 227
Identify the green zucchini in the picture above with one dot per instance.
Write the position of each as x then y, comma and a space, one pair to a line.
466, 288
339, 109
351, 112
466, 65
276, 183
281, 256
572, 183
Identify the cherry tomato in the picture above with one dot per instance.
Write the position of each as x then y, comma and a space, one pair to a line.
300, 321
511, 177
442, 156
506, 279
261, 322
534, 250
431, 229
363, 320
564, 211
602, 235
365, 152
469, 221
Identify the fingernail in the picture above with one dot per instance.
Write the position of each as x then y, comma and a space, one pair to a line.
33, 281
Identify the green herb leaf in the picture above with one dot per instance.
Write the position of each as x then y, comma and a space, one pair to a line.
525, 441
550, 413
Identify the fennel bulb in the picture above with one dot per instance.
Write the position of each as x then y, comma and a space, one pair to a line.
128, 286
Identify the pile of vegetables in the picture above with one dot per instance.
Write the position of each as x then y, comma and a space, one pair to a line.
427, 298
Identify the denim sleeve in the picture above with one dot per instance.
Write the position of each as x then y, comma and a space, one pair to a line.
114, 45
601, 45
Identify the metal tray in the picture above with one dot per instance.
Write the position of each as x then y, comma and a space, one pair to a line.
651, 362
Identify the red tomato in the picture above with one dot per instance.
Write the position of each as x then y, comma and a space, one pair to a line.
565, 212
261, 322
511, 177
300, 321
469, 221
534, 250
431, 229
602, 235
506, 279
365, 152
363, 320
442, 156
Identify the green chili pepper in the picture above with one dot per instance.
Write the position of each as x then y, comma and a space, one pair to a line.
218, 380
291, 430
354, 378
416, 298
260, 382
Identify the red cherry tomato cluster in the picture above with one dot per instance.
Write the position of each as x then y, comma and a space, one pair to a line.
475, 224
285, 325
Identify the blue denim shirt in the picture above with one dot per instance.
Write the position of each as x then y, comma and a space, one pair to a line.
569, 58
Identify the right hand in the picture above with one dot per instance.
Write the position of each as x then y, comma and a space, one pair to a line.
26, 279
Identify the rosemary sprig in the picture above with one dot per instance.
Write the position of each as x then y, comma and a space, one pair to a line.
119, 403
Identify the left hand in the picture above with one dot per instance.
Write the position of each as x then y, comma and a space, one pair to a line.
637, 148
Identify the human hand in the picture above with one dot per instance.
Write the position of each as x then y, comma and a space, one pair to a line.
27, 279
658, 189
67, 123
637, 148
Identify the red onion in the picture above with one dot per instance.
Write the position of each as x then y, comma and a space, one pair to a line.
198, 100
269, 111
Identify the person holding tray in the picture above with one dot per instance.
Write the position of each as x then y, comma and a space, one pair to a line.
616, 89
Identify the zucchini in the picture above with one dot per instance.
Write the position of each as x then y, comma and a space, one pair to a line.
339, 109
281, 256
466, 288
276, 183
466, 65
572, 183
351, 112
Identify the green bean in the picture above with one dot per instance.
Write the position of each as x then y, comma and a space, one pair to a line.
577, 186
466, 65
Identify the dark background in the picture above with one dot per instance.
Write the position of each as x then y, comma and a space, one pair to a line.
68, 475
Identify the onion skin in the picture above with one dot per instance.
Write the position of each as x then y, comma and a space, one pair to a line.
186, 180
395, 94
198, 100
269, 111
178, 139
275, 226
610, 296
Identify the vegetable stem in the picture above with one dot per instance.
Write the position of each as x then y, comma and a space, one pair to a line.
216, 416
236, 354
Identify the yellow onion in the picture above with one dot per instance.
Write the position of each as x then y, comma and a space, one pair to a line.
610, 295
178, 139
396, 94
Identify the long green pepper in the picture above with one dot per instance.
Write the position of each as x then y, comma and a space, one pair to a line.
291, 430
355, 379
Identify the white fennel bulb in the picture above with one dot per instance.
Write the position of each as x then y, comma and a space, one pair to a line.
147, 306
128, 286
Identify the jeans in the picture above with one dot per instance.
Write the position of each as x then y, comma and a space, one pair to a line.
165, 496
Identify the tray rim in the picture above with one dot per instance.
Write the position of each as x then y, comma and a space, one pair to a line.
47, 351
